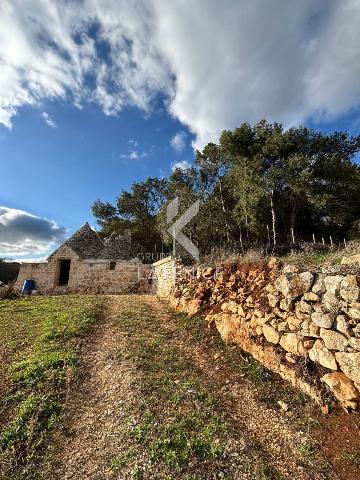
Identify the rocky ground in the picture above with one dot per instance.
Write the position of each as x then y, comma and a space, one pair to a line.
162, 397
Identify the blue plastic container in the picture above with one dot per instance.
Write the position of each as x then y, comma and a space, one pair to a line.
28, 286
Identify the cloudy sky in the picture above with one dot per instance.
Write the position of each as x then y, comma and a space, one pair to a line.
95, 94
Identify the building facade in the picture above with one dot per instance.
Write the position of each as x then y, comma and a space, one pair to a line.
87, 264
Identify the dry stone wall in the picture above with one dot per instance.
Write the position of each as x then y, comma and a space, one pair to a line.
305, 325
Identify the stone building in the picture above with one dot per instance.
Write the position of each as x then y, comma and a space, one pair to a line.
86, 263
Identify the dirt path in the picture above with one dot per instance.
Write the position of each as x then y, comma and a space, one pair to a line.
156, 401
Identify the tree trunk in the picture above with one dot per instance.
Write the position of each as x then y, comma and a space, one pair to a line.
273, 216
294, 212
224, 210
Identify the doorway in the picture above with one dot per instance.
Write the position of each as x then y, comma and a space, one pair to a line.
64, 272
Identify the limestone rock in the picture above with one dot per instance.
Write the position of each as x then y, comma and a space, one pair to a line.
310, 297
356, 330
332, 283
273, 300
271, 334
230, 307
333, 340
324, 320
350, 290
354, 343
320, 354
193, 307
305, 307
290, 343
350, 364
294, 285
342, 388
314, 330
273, 263
287, 304
319, 285
330, 301
294, 323
342, 325
290, 269
354, 311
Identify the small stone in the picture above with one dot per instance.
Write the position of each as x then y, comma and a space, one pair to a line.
284, 406
325, 320
273, 300
294, 285
330, 301
354, 343
310, 297
271, 334
333, 340
332, 283
290, 343
342, 388
194, 306
290, 269
287, 304
349, 290
319, 285
230, 307
356, 330
259, 330
354, 311
282, 326
314, 330
320, 354
305, 307
293, 323
342, 325
350, 364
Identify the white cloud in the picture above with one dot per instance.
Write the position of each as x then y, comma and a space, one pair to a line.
48, 120
178, 141
182, 164
24, 234
134, 155
284, 61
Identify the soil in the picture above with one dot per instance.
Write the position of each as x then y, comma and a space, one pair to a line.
96, 439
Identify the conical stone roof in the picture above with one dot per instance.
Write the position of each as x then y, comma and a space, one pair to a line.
85, 242
116, 247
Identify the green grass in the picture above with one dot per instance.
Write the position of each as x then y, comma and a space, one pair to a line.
178, 421
40, 339
307, 449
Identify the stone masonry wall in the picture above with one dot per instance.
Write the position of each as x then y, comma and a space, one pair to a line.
164, 275
84, 277
303, 325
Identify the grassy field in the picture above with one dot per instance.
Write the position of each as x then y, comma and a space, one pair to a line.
39, 343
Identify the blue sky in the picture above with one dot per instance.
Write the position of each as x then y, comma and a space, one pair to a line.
97, 94
57, 172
